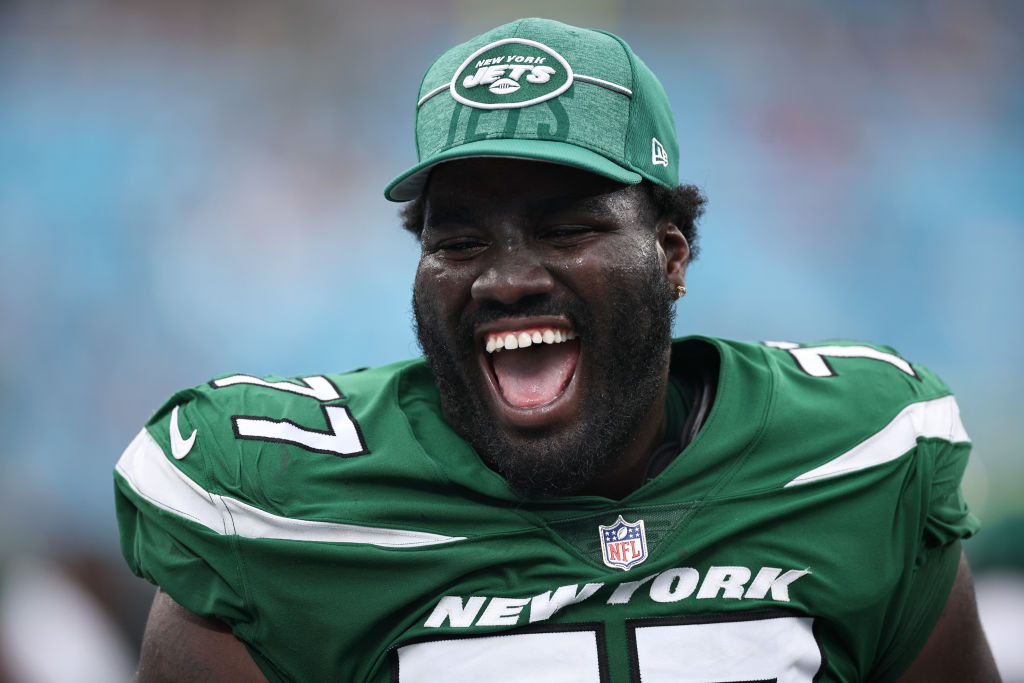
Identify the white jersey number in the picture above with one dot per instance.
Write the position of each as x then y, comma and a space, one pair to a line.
773, 648
811, 359
342, 436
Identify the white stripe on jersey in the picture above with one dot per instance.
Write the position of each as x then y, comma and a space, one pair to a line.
938, 419
153, 476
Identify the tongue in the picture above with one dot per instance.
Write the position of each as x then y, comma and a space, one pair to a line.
536, 374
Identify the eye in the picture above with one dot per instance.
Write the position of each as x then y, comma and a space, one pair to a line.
460, 248
567, 235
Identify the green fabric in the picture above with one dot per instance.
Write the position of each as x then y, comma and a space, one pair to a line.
438, 552
605, 126
678, 397
933, 580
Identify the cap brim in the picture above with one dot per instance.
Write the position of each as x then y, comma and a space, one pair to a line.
410, 184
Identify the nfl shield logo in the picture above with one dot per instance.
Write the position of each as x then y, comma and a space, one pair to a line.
623, 545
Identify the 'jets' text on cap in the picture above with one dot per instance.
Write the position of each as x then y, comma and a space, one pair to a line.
540, 89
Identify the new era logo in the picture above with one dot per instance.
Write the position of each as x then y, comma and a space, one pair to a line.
659, 157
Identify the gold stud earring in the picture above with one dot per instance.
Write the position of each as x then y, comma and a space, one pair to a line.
680, 291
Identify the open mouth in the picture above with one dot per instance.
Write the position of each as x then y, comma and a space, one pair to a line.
532, 366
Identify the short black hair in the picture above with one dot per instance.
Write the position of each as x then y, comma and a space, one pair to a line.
683, 205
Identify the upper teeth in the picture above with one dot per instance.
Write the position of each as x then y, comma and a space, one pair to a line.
519, 340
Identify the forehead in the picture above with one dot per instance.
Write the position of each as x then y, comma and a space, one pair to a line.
495, 185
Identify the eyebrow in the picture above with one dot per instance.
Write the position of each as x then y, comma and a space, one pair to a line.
439, 216
597, 206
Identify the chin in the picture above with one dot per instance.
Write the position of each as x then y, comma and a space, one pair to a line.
551, 416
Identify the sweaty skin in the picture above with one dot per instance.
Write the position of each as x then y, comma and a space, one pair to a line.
510, 247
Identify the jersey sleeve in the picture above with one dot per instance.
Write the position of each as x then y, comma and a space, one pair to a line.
940, 461
886, 433
949, 518
173, 528
894, 414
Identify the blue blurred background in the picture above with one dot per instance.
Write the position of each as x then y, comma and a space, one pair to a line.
190, 188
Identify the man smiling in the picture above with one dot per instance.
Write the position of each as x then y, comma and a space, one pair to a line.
559, 491
536, 307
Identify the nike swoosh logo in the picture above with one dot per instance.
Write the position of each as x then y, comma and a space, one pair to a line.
179, 446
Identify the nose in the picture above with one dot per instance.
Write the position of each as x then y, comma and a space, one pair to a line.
513, 274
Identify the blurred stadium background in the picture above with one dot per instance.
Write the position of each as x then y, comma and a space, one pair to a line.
190, 188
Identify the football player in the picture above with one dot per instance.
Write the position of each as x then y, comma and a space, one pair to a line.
558, 491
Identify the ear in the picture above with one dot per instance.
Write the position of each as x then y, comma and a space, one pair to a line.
676, 249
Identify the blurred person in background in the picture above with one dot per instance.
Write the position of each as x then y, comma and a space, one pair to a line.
558, 490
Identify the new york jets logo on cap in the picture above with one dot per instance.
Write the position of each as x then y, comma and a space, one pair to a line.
511, 73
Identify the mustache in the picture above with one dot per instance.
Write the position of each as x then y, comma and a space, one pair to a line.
489, 311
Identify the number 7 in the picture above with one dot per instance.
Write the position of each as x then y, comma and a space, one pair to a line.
811, 359
342, 436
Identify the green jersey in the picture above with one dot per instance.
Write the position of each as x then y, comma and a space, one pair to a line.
345, 532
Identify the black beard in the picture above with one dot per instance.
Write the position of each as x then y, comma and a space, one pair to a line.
626, 355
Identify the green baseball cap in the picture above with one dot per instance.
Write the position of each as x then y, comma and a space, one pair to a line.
544, 90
